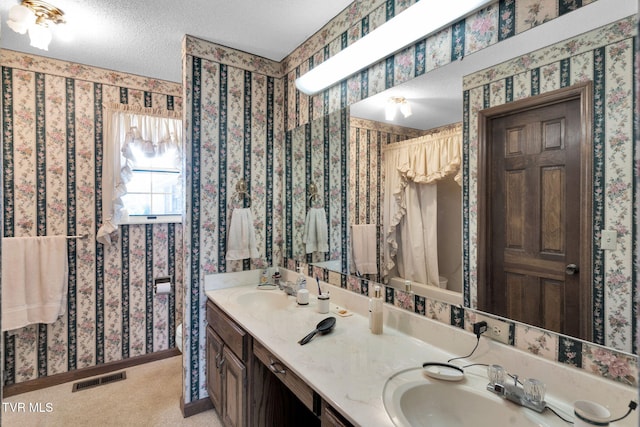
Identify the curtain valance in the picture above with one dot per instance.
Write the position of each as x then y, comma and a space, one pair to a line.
428, 158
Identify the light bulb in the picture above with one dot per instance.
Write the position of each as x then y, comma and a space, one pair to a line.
40, 36
21, 18
405, 109
390, 110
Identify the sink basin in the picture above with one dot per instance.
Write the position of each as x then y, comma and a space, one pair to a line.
411, 399
264, 299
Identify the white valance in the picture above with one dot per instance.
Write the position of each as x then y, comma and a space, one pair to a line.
428, 158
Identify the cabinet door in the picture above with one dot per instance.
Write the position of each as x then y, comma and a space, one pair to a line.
330, 418
235, 387
214, 371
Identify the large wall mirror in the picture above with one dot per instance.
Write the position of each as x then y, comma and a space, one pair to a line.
495, 75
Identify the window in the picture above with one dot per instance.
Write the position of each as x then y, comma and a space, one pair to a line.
155, 180
141, 169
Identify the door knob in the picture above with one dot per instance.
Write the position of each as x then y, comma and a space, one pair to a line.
571, 269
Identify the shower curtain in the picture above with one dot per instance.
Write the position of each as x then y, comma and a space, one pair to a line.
412, 169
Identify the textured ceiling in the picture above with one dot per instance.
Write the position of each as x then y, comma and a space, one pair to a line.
145, 37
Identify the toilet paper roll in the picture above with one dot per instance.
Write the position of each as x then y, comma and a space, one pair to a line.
163, 288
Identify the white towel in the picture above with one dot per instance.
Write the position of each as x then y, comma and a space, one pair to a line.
241, 243
316, 235
363, 248
34, 280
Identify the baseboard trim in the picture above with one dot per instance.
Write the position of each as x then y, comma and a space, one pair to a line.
195, 407
44, 382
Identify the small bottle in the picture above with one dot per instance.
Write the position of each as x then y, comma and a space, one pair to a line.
264, 279
375, 315
301, 283
276, 278
407, 286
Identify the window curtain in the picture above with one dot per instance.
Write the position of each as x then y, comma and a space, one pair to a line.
412, 169
126, 127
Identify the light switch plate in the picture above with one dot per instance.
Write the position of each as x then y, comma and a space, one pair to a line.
609, 240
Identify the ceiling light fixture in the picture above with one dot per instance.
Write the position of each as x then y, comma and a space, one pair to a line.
35, 17
394, 104
415, 23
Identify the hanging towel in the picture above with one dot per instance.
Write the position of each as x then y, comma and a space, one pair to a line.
242, 237
316, 235
34, 280
363, 248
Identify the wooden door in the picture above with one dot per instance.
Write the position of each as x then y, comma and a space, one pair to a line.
235, 390
537, 271
214, 377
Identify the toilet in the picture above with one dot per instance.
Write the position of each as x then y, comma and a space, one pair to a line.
179, 337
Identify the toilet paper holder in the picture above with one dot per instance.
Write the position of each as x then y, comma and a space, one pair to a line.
162, 286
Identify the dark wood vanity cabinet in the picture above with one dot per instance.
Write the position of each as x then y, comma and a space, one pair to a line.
228, 352
331, 418
250, 386
214, 374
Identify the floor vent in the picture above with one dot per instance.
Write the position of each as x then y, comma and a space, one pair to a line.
95, 382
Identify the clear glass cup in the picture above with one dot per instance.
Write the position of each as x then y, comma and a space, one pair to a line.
496, 374
534, 390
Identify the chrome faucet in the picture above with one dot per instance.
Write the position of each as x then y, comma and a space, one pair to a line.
530, 395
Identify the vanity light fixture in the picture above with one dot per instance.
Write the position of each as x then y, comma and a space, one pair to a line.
36, 17
418, 21
394, 104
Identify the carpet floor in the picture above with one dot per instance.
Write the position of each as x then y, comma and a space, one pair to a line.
150, 396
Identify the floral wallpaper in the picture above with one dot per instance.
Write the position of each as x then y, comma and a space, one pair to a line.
234, 130
52, 167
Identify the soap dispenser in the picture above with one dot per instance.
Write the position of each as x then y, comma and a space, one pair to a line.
375, 311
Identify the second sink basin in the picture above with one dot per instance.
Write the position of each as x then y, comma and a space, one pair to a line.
414, 400
264, 299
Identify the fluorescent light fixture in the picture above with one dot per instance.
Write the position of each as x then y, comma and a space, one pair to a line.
418, 21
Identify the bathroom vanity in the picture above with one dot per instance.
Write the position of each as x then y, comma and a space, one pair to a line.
257, 371
249, 385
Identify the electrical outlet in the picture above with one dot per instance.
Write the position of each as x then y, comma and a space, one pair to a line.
497, 330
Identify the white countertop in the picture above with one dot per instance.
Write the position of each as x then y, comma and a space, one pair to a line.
349, 366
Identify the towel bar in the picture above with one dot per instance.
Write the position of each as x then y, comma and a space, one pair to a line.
79, 236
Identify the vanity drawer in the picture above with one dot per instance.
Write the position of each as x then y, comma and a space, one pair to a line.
233, 335
291, 380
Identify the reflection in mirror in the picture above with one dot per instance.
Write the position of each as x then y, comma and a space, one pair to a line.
315, 190
524, 75
608, 51
520, 78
